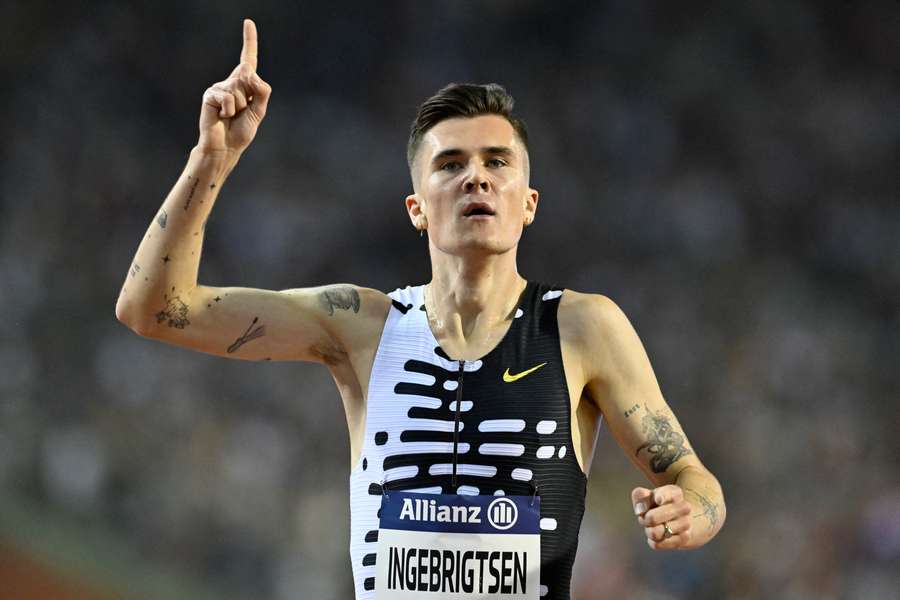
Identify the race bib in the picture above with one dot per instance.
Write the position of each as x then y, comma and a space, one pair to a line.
449, 546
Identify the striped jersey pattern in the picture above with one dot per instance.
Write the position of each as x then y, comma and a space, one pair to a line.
514, 431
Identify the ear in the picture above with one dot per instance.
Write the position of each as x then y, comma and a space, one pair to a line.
531, 202
415, 207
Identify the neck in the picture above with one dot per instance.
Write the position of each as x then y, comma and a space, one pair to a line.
470, 296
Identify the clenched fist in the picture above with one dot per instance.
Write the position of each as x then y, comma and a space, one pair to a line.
233, 109
665, 516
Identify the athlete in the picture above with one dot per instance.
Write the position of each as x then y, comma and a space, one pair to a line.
473, 402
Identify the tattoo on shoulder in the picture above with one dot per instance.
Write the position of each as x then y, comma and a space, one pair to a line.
250, 334
664, 444
707, 507
162, 218
344, 298
631, 410
175, 312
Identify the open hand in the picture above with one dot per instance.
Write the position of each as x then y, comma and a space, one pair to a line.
659, 508
233, 109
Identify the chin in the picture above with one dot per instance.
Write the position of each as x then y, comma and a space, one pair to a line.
471, 244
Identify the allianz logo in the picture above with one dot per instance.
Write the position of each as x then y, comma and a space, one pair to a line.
502, 513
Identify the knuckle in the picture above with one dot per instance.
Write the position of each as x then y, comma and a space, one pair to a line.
235, 87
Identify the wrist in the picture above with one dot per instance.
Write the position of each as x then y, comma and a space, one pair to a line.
220, 154
221, 162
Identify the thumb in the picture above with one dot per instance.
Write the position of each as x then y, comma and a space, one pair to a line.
641, 500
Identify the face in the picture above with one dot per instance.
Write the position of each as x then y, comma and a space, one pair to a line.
472, 186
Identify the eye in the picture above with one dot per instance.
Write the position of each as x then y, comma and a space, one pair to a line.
451, 165
496, 162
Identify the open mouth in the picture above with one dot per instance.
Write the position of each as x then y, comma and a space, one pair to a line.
478, 209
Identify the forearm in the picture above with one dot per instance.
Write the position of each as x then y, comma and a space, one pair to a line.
165, 266
703, 492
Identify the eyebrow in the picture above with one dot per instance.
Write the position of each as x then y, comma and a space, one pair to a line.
502, 150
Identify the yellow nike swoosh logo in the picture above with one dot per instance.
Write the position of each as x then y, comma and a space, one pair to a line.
510, 378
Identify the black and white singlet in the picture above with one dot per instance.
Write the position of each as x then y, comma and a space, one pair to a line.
509, 413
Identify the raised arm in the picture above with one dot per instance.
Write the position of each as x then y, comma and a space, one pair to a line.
620, 380
161, 298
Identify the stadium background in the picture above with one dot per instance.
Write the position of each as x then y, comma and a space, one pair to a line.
726, 172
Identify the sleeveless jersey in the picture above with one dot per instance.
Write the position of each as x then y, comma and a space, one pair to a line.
502, 424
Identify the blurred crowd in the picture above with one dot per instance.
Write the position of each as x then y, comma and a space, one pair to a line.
727, 173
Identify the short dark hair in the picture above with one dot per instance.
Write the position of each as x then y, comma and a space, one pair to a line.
463, 100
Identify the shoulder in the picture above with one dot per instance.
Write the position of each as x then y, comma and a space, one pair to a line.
354, 314
587, 315
595, 327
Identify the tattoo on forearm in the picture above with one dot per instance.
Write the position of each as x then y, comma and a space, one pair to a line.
135, 269
162, 218
344, 298
175, 312
708, 508
249, 334
664, 444
631, 411
191, 195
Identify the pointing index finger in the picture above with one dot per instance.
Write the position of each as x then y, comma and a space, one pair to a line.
248, 52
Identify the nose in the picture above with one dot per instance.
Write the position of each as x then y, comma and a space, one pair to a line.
476, 179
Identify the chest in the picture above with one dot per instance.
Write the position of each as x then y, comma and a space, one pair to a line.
526, 391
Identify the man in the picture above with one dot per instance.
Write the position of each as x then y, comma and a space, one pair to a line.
473, 402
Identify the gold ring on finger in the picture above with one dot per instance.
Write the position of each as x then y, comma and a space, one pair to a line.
667, 533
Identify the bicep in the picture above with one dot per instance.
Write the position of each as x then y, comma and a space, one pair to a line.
622, 383
256, 324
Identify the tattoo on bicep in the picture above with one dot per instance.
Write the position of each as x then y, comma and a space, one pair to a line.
631, 410
162, 218
249, 334
135, 269
664, 444
708, 508
175, 312
344, 298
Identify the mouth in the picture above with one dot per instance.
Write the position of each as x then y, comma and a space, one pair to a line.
478, 209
